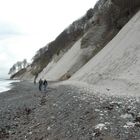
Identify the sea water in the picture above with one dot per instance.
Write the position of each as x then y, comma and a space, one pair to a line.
5, 84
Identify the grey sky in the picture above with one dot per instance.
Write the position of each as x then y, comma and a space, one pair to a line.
8, 30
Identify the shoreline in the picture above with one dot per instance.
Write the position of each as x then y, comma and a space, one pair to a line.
13, 104
64, 112
7, 84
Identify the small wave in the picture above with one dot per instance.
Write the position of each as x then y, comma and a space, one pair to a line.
5, 85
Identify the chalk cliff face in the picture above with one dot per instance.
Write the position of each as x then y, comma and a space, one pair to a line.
82, 40
104, 21
116, 68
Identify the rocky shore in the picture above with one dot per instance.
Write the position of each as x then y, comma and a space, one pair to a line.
66, 113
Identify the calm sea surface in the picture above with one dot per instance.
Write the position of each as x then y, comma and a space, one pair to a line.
6, 84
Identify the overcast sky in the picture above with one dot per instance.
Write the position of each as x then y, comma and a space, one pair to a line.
27, 25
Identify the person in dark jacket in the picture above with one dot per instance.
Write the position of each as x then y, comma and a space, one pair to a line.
40, 84
45, 83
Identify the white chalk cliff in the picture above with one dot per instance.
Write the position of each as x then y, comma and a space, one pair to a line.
101, 49
116, 68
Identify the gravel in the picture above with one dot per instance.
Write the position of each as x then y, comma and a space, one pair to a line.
66, 113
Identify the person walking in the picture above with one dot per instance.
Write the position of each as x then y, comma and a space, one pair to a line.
35, 78
40, 84
45, 83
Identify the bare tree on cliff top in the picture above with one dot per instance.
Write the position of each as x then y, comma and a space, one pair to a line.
24, 63
18, 66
